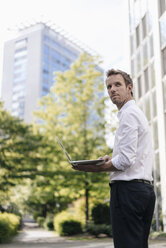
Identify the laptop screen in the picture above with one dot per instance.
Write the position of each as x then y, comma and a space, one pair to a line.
65, 152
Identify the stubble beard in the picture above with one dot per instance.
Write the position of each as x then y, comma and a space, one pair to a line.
120, 103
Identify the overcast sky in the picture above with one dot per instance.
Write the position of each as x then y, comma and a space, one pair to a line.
100, 24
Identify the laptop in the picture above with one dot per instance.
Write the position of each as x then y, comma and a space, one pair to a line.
80, 162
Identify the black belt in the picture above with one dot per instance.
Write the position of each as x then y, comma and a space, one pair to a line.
134, 180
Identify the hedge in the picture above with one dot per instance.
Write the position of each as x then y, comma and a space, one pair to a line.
101, 214
40, 220
97, 229
63, 219
69, 227
9, 225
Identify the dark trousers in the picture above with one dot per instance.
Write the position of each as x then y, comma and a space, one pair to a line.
132, 206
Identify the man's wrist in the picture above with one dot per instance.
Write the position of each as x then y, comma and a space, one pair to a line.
108, 166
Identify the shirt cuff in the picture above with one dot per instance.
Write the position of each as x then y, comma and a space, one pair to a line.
116, 163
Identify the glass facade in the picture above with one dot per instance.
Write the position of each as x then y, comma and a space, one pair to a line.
139, 87
138, 36
164, 94
163, 30
162, 7
56, 57
143, 69
19, 78
163, 57
144, 26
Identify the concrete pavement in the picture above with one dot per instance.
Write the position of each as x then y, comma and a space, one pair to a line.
34, 237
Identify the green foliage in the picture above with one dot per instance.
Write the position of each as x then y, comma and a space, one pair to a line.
78, 209
69, 227
21, 156
160, 224
97, 229
62, 216
48, 224
36, 215
9, 224
74, 112
40, 220
157, 235
101, 214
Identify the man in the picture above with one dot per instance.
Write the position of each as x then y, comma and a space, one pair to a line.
132, 194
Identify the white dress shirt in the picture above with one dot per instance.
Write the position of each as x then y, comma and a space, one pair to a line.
132, 153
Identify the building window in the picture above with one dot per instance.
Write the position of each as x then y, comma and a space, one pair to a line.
131, 17
163, 52
155, 135
144, 26
149, 21
157, 167
151, 46
137, 35
164, 94
45, 91
21, 49
145, 53
152, 71
147, 108
131, 44
139, 84
132, 67
138, 61
165, 122
146, 80
137, 12
154, 104
46, 50
162, 7
20, 59
18, 67
163, 30
20, 43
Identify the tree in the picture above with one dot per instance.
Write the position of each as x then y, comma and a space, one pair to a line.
20, 155
74, 112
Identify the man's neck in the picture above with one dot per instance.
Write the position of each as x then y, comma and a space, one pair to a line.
120, 105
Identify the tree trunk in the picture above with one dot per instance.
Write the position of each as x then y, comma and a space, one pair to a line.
87, 202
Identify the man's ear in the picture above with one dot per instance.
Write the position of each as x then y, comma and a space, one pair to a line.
130, 87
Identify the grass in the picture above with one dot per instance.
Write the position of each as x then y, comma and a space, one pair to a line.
86, 236
158, 235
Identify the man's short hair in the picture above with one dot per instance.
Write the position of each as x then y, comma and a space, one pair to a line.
125, 76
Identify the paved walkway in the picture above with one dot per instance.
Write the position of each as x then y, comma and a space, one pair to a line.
34, 237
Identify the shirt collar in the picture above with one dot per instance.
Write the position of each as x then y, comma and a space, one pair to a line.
126, 105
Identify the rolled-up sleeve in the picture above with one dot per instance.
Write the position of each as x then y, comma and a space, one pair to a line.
127, 139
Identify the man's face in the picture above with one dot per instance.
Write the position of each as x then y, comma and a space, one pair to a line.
118, 91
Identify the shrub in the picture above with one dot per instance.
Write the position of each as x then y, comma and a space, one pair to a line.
78, 209
157, 235
48, 224
9, 224
69, 227
101, 214
36, 215
97, 229
64, 215
40, 220
61, 217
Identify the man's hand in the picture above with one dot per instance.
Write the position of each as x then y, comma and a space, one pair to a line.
106, 158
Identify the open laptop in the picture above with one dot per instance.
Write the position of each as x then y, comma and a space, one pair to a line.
80, 162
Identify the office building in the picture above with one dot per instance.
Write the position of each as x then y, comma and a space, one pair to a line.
147, 20
29, 62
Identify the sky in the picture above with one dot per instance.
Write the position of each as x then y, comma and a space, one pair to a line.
102, 25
